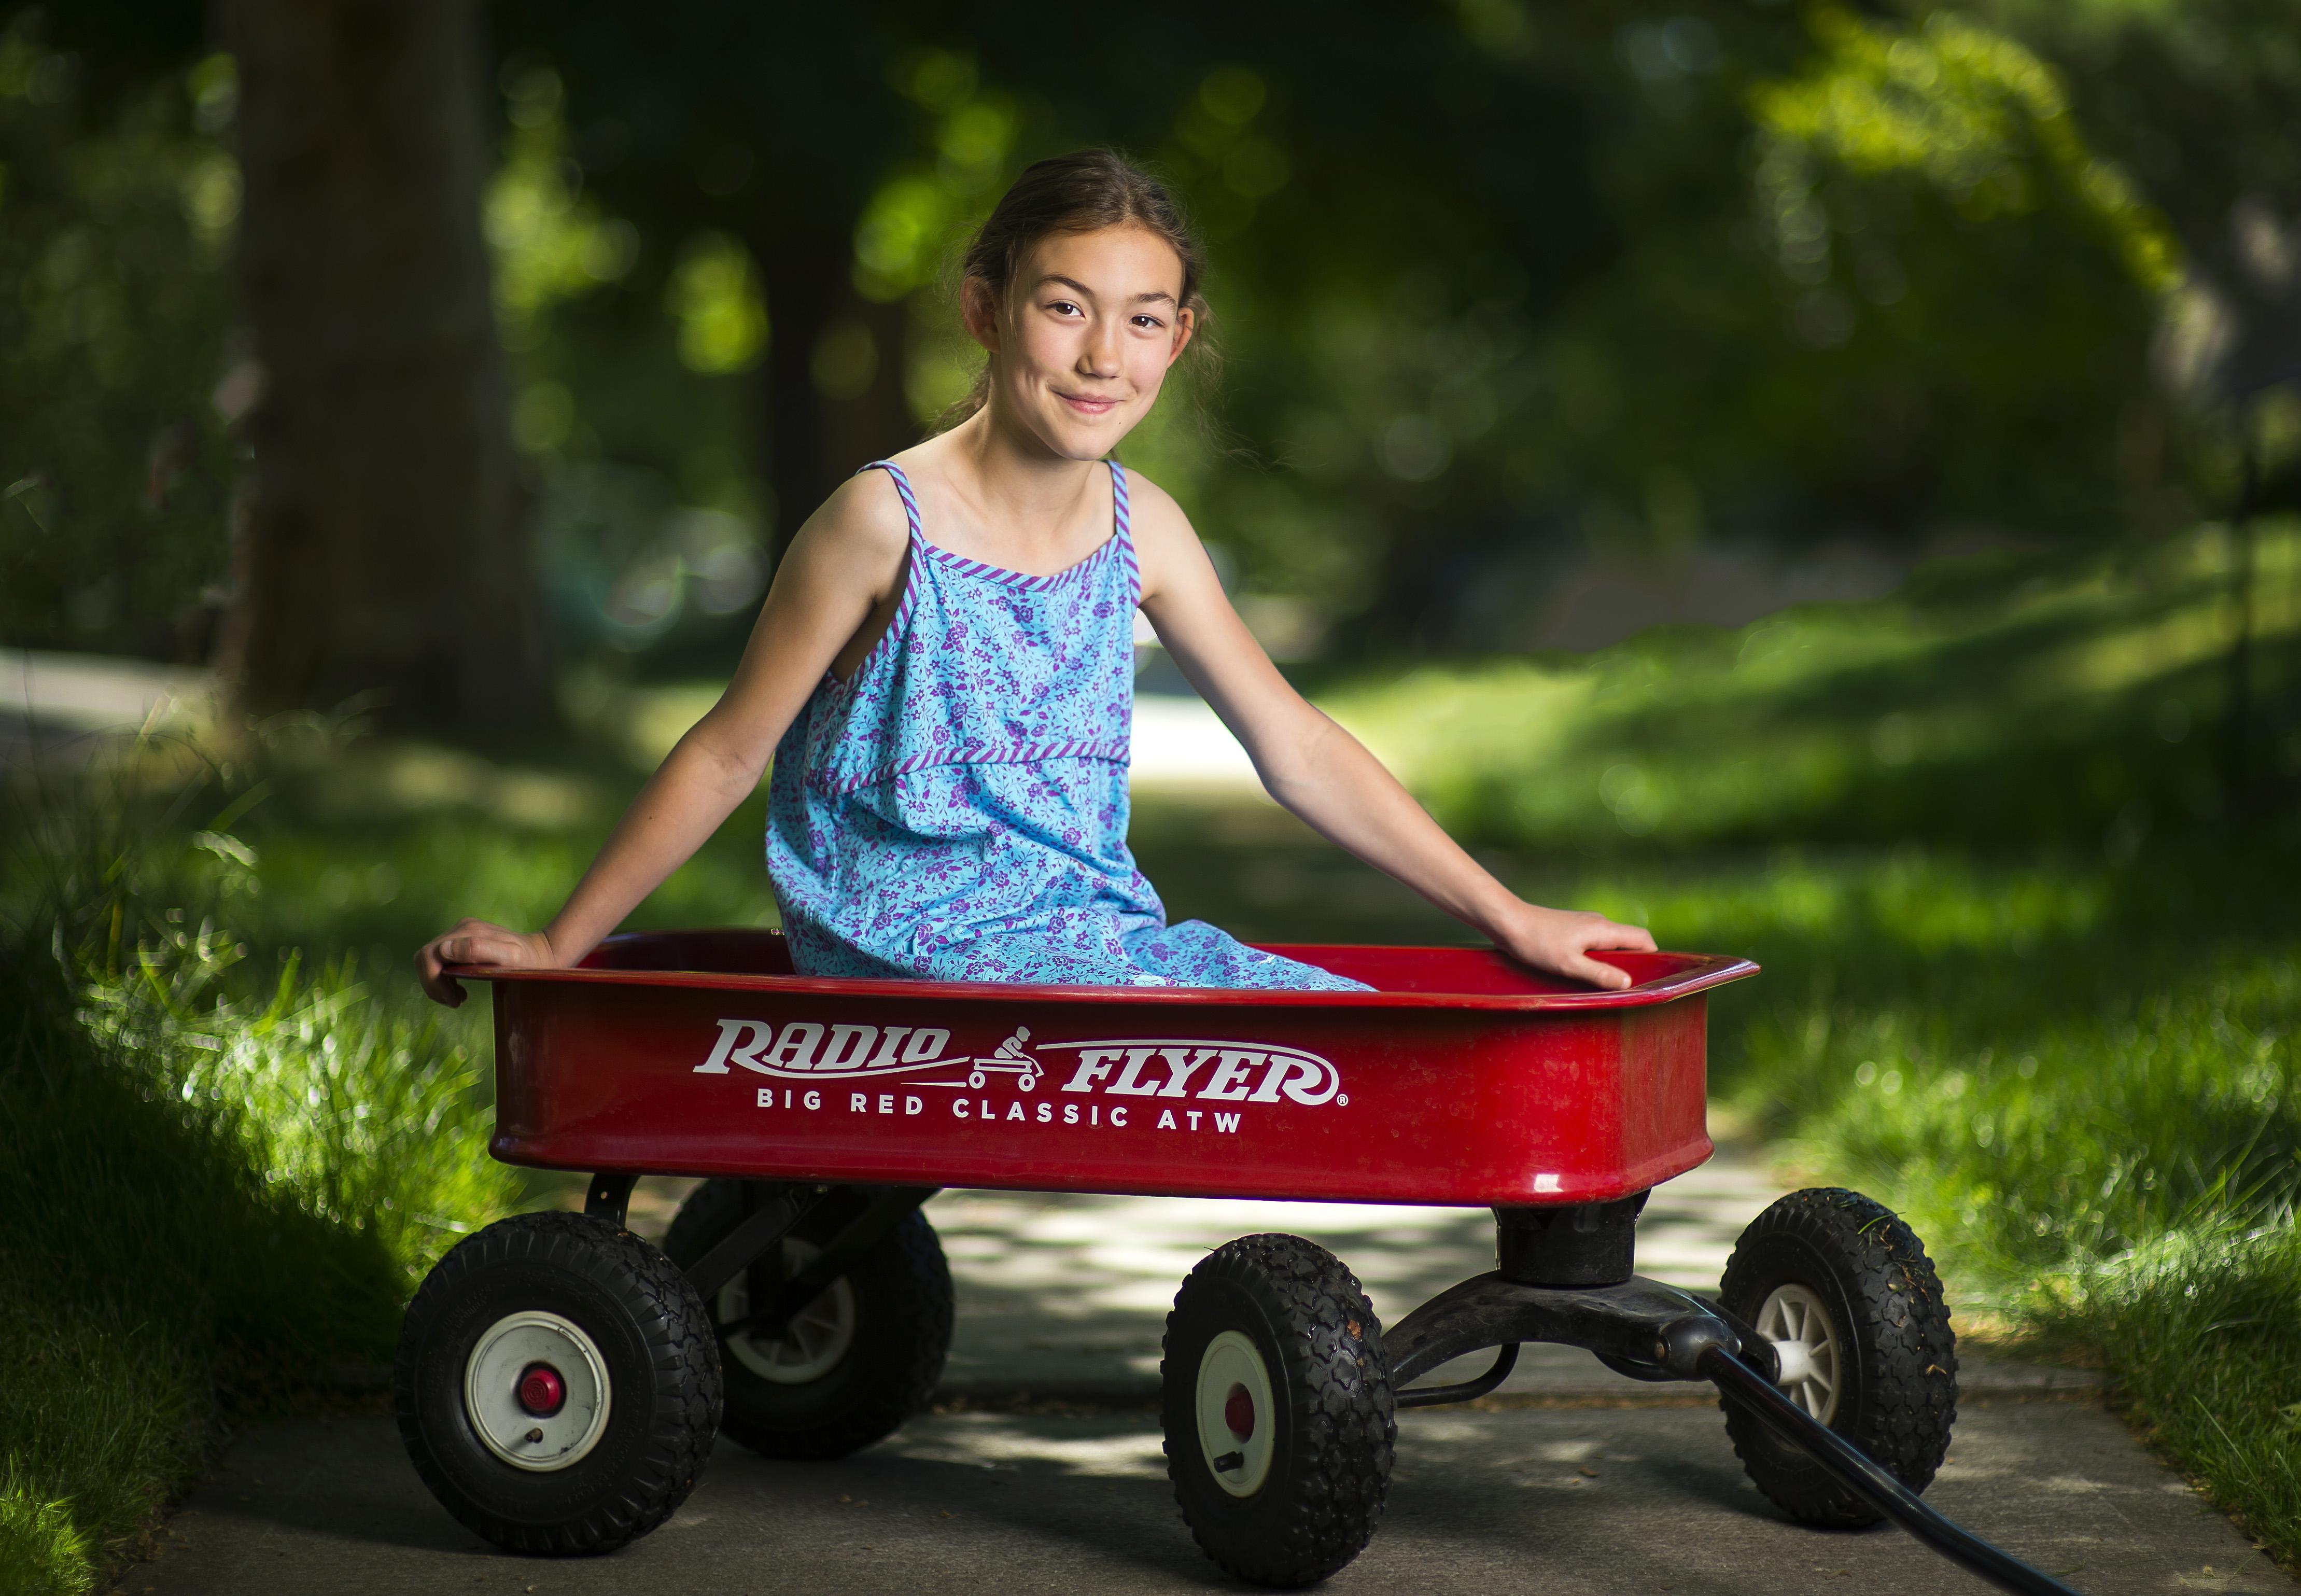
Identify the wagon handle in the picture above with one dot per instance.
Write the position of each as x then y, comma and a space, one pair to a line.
1845, 1464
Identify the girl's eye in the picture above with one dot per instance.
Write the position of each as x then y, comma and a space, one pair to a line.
1063, 307
1149, 323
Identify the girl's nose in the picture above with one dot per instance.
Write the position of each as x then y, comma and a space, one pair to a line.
1099, 355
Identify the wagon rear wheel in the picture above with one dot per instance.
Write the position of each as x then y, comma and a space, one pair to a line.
1845, 1292
1277, 1411
558, 1385
850, 1367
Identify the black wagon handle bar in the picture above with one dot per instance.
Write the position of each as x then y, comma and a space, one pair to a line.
1845, 1464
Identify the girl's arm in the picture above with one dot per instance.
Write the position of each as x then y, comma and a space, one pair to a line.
1324, 775
843, 570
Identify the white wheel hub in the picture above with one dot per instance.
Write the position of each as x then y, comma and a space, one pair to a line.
812, 1343
1806, 1341
1238, 1416
536, 1391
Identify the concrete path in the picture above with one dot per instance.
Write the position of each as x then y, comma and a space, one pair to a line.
1556, 1500
1041, 1471
60, 708
57, 708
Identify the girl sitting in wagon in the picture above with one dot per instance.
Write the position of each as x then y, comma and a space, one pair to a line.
943, 673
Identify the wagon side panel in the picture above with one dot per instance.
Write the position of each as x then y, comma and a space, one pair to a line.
1037, 1093
1665, 1091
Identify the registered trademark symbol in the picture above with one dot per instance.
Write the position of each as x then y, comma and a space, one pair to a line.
1343, 1100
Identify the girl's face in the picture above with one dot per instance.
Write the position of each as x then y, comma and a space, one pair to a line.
1091, 322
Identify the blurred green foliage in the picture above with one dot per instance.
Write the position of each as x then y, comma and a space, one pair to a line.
1502, 287
116, 311
1999, 701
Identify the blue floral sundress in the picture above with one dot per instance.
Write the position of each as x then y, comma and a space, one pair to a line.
957, 810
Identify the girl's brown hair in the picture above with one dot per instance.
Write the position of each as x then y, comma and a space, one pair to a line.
1083, 192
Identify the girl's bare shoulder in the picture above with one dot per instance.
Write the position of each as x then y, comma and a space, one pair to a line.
1152, 514
862, 528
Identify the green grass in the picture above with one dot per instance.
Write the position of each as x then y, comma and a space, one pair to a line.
216, 1190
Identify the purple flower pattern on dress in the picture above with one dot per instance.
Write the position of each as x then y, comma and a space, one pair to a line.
957, 810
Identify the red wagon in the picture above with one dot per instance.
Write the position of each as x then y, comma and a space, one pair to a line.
561, 1380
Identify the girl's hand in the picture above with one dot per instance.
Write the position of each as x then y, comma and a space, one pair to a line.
477, 943
1559, 940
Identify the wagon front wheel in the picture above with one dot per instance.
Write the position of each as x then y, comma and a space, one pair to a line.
1844, 1291
558, 1385
1277, 1410
848, 1368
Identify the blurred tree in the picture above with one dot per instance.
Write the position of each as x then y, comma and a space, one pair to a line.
2200, 102
116, 206
385, 543
1505, 285
768, 126
1503, 291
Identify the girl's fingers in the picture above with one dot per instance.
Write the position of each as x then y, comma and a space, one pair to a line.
437, 986
1583, 968
480, 944
472, 942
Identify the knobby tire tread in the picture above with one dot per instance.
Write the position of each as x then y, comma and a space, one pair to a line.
899, 1390
1906, 1383
684, 1364
1333, 1375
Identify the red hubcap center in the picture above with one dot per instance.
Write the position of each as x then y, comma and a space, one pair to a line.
541, 1391
1238, 1412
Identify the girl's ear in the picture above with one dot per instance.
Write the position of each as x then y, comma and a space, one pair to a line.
1186, 327
978, 308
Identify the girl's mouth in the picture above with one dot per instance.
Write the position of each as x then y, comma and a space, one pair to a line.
1087, 404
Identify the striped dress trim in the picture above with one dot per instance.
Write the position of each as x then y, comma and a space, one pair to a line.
1123, 534
1116, 750
1119, 541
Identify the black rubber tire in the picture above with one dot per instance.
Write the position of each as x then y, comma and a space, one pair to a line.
662, 1366
1337, 1429
1898, 1396
902, 1334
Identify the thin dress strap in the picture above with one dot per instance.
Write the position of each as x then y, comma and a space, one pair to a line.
902, 615
903, 487
1121, 533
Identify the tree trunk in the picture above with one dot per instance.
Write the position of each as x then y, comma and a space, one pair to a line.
386, 544
812, 440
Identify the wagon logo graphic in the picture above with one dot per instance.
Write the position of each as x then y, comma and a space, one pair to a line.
1203, 1069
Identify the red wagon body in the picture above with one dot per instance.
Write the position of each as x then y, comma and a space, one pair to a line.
802, 1305
1464, 1078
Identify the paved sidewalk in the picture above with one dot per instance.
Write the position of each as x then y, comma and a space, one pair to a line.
1556, 1500
58, 708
